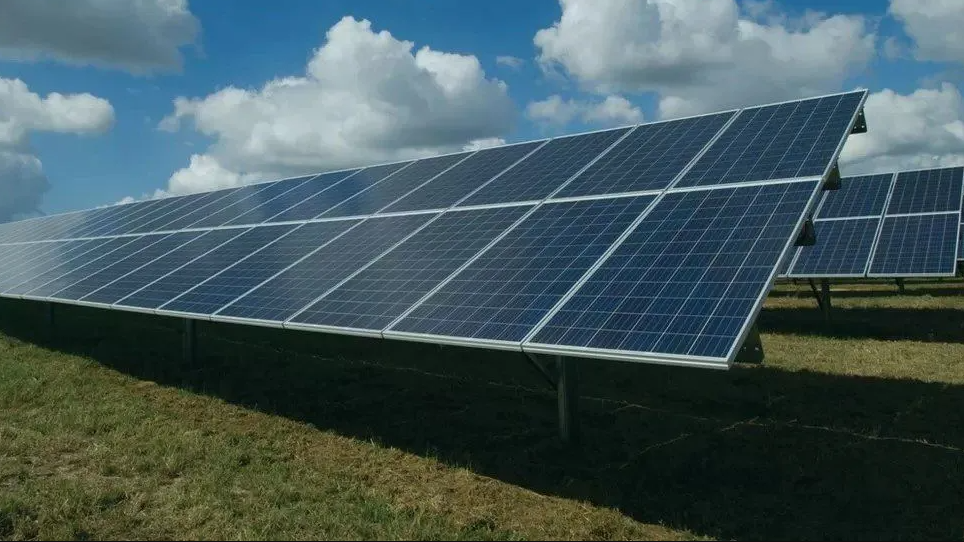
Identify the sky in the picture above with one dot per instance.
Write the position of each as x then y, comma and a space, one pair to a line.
102, 101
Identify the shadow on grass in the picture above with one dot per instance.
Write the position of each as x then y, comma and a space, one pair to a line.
754, 453
926, 325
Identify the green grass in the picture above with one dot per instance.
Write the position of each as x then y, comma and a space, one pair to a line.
849, 431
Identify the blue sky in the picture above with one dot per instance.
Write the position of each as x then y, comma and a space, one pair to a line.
246, 44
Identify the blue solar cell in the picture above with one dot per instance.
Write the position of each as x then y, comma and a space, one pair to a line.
160, 244
378, 295
857, 196
19, 257
245, 201
148, 212
181, 219
843, 249
455, 184
917, 245
932, 190
547, 169
186, 207
91, 221
649, 158
39, 258
80, 272
295, 288
689, 277
315, 206
176, 283
98, 250
160, 262
384, 193
235, 281
502, 295
789, 140
291, 198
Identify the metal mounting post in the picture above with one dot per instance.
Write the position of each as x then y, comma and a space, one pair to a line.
860, 127
752, 349
834, 181
823, 297
900, 286
568, 399
51, 320
189, 340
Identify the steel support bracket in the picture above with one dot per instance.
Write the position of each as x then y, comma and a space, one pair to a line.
752, 349
833, 180
860, 127
808, 234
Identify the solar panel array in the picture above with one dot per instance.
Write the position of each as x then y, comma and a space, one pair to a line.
905, 224
655, 242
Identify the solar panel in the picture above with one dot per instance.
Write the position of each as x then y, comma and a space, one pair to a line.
377, 295
339, 192
89, 222
685, 283
789, 140
246, 202
162, 244
927, 191
296, 287
187, 207
55, 270
916, 245
289, 199
149, 211
504, 293
160, 262
384, 193
857, 196
460, 181
649, 158
547, 169
183, 279
843, 249
211, 295
33, 257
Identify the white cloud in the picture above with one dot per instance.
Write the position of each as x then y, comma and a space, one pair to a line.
917, 130
366, 97
513, 62
893, 49
613, 110
136, 35
484, 143
702, 55
22, 180
936, 26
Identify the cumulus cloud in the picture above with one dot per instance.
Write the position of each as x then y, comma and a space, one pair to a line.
365, 97
936, 26
611, 111
22, 112
702, 55
484, 143
907, 131
136, 35
513, 62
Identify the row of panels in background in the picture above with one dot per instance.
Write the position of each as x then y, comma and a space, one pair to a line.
672, 274
893, 225
603, 163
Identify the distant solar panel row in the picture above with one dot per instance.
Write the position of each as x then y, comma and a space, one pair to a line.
892, 225
593, 244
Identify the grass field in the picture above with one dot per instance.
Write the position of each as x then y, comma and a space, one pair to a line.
850, 431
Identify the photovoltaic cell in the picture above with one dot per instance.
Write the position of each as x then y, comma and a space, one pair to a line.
453, 185
857, 196
289, 199
789, 140
235, 281
187, 208
106, 246
339, 192
503, 294
547, 169
649, 158
180, 220
378, 295
916, 245
843, 248
932, 190
394, 187
688, 278
167, 288
162, 244
40, 258
160, 263
80, 272
245, 202
161, 208
295, 288
139, 210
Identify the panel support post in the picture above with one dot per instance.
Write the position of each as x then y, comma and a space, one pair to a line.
51, 317
900, 286
568, 397
825, 297
189, 340
752, 349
